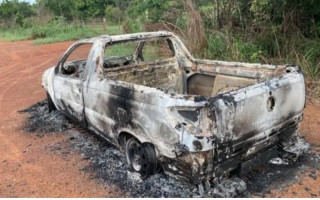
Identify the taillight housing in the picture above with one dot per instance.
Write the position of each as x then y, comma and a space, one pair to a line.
200, 121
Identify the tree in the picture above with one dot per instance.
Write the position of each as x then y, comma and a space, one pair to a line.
15, 11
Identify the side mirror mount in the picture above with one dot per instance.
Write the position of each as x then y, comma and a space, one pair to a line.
69, 68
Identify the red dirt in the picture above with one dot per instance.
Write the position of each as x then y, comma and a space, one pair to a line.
29, 169
306, 187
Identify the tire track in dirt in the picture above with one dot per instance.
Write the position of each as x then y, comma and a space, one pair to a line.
16, 74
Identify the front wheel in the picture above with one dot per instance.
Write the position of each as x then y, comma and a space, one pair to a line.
141, 157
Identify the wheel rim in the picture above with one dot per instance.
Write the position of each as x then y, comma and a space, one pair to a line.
135, 155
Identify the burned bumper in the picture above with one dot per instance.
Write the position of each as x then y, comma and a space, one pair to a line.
196, 167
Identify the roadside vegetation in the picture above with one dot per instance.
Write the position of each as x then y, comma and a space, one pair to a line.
264, 31
22, 21
57, 32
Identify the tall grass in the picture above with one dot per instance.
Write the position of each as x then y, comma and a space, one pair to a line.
270, 49
309, 58
57, 31
232, 47
16, 34
236, 47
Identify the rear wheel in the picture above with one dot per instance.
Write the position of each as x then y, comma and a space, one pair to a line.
51, 105
141, 157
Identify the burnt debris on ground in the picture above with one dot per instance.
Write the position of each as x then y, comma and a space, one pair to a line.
40, 121
108, 164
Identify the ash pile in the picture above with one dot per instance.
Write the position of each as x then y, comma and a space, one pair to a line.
108, 165
41, 122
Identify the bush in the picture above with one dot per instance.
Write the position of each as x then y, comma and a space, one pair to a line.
182, 21
58, 28
19, 19
55, 31
247, 51
133, 25
309, 58
233, 48
51, 29
113, 14
217, 47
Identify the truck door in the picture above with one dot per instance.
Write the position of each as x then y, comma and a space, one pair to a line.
68, 82
103, 103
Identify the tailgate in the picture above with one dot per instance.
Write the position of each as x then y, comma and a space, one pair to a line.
256, 112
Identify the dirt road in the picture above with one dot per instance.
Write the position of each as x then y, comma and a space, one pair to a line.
29, 169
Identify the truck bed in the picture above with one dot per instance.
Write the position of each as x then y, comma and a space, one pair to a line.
207, 78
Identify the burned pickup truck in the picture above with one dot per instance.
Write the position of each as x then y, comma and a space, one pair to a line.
196, 119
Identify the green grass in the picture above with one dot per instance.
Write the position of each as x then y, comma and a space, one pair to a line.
57, 32
233, 48
15, 34
75, 33
123, 49
310, 58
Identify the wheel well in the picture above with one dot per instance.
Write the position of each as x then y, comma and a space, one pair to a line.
122, 138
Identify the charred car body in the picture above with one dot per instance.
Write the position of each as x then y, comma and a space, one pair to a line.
198, 119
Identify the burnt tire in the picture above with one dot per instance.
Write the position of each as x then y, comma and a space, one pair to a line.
51, 105
141, 158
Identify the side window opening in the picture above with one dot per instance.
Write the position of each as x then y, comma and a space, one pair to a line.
120, 49
118, 55
75, 63
143, 62
128, 53
157, 50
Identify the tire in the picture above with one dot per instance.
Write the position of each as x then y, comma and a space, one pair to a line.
141, 157
51, 105
237, 170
